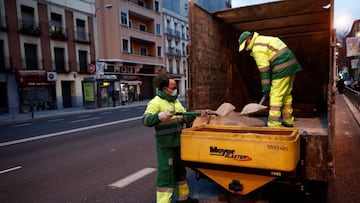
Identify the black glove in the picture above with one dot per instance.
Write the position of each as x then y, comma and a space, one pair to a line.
265, 93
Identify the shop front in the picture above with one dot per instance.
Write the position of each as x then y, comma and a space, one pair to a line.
36, 92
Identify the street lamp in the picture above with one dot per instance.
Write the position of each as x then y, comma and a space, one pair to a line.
108, 6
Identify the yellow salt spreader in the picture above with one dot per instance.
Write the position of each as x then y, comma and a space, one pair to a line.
241, 159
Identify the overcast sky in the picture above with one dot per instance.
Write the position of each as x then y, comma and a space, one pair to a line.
345, 13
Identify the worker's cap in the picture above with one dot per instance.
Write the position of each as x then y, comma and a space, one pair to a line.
242, 39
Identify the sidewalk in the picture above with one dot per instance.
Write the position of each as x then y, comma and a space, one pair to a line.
23, 117
344, 186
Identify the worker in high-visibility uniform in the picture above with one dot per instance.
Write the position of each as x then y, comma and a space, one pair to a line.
277, 65
171, 178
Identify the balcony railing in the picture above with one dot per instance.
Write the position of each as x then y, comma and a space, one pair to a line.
173, 51
31, 64
57, 32
173, 33
139, 4
5, 64
3, 23
81, 36
29, 28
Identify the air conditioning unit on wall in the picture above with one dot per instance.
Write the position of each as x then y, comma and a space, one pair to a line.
51, 76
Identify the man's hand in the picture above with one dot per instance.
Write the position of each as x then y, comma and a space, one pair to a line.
165, 115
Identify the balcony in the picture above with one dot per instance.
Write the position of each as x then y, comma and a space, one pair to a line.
57, 33
29, 29
3, 24
31, 64
82, 37
173, 52
5, 65
172, 33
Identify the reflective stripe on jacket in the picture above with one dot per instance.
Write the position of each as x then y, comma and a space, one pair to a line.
273, 58
167, 132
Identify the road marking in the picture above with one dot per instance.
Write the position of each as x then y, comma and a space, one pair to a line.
56, 120
10, 169
82, 116
106, 112
21, 125
132, 178
86, 119
3, 144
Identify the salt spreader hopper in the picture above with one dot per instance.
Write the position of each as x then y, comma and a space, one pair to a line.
241, 159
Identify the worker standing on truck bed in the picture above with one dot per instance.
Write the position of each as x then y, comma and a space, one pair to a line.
160, 113
277, 65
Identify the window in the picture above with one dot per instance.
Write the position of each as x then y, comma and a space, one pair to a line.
130, 24
125, 45
141, 3
59, 59
56, 23
158, 29
31, 56
2, 55
157, 6
143, 51
124, 18
159, 54
177, 66
83, 61
27, 17
80, 30
142, 27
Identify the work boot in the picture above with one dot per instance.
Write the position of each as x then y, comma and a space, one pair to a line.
189, 200
288, 125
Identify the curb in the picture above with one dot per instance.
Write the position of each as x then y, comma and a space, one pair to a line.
353, 109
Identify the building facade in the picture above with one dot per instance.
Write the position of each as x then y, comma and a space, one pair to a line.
176, 31
45, 50
131, 44
352, 47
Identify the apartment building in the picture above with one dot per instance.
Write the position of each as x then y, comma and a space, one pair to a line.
176, 31
46, 47
131, 44
352, 45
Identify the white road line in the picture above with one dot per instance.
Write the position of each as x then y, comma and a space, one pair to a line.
21, 125
66, 132
82, 116
10, 169
86, 119
132, 178
56, 120
106, 112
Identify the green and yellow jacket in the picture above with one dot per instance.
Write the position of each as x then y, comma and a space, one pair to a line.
273, 58
167, 132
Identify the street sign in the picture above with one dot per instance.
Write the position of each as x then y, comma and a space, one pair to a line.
91, 68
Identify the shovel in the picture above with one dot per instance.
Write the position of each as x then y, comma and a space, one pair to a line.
254, 107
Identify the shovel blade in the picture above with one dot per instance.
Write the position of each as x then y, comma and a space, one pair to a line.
253, 108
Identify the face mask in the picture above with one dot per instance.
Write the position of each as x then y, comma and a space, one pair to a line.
174, 93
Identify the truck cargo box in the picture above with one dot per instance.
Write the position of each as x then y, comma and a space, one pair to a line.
218, 73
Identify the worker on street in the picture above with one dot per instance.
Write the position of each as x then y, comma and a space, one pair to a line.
278, 66
160, 113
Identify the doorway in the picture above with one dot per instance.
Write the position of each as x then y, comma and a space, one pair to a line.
66, 94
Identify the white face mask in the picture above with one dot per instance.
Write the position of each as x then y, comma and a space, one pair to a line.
174, 93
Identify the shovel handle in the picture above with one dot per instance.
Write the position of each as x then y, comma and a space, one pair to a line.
262, 100
192, 113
